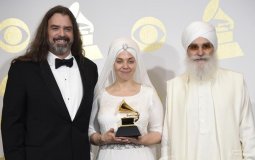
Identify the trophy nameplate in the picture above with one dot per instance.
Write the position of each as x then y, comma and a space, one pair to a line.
128, 128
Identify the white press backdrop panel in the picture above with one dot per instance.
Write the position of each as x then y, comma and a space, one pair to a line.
156, 25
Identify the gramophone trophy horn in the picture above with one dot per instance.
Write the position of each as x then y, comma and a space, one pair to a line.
125, 108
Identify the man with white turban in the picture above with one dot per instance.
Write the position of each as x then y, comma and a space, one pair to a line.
208, 113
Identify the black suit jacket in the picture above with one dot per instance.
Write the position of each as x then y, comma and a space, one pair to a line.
35, 121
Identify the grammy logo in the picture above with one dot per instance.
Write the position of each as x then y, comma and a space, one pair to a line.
128, 128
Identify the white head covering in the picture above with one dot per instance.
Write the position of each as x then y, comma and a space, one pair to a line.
199, 29
107, 76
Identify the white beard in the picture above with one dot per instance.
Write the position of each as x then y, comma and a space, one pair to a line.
202, 71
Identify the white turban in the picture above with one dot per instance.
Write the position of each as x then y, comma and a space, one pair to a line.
199, 29
122, 44
107, 76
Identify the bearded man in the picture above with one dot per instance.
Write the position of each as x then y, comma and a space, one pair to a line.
49, 94
208, 113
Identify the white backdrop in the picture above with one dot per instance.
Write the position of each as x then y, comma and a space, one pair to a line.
156, 25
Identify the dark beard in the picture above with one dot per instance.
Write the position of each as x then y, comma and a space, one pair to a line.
60, 49
203, 71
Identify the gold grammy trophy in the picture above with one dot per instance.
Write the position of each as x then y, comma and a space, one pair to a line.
128, 128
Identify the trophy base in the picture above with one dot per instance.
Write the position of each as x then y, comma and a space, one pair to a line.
128, 131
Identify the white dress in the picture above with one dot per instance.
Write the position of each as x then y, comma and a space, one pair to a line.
105, 115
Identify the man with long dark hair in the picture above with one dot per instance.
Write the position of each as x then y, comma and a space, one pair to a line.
49, 94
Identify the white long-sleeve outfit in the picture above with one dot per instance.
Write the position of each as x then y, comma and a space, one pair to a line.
210, 120
105, 115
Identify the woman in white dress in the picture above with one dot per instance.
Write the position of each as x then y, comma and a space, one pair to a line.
125, 79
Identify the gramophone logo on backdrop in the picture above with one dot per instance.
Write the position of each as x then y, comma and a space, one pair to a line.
15, 35
86, 29
224, 25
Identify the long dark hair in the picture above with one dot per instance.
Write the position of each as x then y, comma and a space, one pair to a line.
39, 48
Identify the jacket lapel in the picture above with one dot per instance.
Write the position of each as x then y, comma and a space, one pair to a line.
54, 89
83, 71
